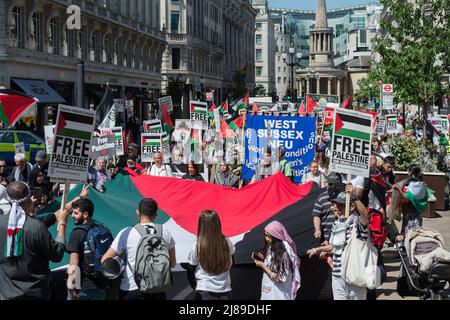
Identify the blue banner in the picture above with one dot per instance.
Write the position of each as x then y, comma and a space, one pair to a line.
296, 135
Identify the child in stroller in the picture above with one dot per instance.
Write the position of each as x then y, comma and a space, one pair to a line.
425, 265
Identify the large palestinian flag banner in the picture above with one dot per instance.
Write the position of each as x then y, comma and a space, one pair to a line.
244, 213
70, 156
13, 105
351, 146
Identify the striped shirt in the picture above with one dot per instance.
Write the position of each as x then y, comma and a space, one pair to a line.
322, 209
361, 234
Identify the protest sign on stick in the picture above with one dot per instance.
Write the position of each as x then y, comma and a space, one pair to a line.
153, 126
118, 134
150, 144
199, 115
49, 132
391, 124
70, 157
103, 146
166, 102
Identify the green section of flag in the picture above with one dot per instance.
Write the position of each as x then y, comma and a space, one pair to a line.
233, 126
76, 134
152, 144
354, 134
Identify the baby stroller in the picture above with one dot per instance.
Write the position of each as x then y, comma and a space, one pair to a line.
425, 265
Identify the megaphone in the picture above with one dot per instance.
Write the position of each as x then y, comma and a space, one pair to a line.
112, 268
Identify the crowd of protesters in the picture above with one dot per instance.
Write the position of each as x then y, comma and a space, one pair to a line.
29, 247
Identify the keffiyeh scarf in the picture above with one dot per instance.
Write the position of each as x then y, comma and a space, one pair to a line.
17, 217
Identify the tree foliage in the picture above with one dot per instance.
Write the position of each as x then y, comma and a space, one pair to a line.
416, 53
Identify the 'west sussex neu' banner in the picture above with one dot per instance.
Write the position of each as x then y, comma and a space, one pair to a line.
70, 156
296, 135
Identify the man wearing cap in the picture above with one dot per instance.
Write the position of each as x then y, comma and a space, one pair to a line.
42, 166
340, 235
323, 217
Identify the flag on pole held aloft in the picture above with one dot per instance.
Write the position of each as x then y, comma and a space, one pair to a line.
226, 131
13, 104
302, 109
224, 108
346, 103
110, 119
255, 108
104, 107
310, 105
166, 120
242, 104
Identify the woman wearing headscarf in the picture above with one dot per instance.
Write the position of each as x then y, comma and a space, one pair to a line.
280, 263
98, 175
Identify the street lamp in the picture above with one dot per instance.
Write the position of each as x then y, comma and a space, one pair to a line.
370, 92
294, 61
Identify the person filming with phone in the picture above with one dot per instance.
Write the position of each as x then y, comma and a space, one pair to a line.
280, 263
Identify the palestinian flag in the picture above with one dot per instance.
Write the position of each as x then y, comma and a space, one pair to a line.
346, 103
329, 117
226, 130
74, 125
244, 213
352, 126
255, 108
302, 110
237, 123
12, 105
224, 108
166, 120
310, 105
151, 142
242, 104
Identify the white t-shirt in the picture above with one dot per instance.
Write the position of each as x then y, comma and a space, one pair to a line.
205, 281
127, 241
271, 290
357, 181
162, 171
374, 202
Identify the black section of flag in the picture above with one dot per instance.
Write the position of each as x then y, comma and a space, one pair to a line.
357, 120
75, 117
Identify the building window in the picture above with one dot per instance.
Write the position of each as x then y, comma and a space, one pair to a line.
36, 34
107, 50
259, 71
279, 79
174, 22
54, 36
16, 27
95, 47
68, 42
362, 37
258, 26
258, 55
258, 39
284, 80
175, 58
279, 69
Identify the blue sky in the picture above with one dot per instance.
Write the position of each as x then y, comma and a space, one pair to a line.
311, 4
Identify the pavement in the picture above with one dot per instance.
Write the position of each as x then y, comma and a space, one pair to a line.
388, 290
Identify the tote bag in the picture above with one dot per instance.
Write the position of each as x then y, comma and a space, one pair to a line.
359, 263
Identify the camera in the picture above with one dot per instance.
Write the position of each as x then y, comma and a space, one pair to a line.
257, 256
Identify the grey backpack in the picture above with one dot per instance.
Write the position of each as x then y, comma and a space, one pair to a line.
152, 268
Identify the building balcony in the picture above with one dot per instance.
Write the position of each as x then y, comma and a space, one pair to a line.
177, 38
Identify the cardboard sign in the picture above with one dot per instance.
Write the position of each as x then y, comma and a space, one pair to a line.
71, 147
380, 127
103, 146
120, 105
391, 124
217, 119
118, 134
49, 132
166, 102
351, 146
199, 115
150, 144
19, 148
153, 126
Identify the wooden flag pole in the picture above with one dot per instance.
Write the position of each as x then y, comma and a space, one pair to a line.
347, 198
64, 196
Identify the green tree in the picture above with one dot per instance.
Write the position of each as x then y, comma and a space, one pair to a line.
259, 91
416, 54
239, 85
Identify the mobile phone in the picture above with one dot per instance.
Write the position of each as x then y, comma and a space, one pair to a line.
257, 256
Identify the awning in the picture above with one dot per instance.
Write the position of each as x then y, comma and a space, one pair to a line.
40, 90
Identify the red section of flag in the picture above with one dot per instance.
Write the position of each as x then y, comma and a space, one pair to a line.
166, 117
346, 103
338, 125
239, 122
247, 99
61, 123
255, 108
310, 105
302, 110
13, 104
226, 131
239, 210
225, 106
212, 108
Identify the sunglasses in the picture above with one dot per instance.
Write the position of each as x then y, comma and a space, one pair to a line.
2, 166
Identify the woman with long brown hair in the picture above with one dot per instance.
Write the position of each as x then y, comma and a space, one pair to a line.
210, 259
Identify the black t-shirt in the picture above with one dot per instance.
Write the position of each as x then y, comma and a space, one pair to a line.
76, 245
